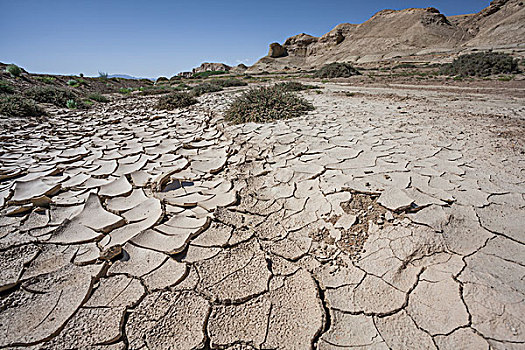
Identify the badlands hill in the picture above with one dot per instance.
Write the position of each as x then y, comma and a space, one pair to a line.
421, 34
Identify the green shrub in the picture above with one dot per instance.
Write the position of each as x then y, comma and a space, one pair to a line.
6, 88
98, 97
209, 73
18, 106
125, 91
229, 82
51, 94
481, 64
175, 100
266, 104
295, 86
336, 70
47, 80
204, 88
72, 82
71, 104
103, 75
13, 70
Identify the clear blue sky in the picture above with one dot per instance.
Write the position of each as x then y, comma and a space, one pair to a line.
161, 37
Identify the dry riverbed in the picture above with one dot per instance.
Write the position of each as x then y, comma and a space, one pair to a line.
388, 218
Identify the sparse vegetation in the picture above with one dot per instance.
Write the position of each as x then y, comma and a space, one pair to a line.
175, 100
506, 78
103, 75
72, 83
229, 82
51, 94
266, 104
295, 86
18, 106
209, 73
336, 70
13, 70
405, 66
47, 80
6, 88
163, 89
98, 98
481, 64
125, 91
204, 88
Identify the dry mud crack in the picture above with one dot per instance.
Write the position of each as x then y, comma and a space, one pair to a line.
356, 226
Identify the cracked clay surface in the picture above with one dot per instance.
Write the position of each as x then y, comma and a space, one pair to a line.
373, 222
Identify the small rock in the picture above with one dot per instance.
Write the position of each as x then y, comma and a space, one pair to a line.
389, 217
110, 253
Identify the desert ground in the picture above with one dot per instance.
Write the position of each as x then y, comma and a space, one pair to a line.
390, 217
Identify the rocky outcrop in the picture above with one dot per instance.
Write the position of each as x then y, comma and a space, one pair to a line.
240, 68
391, 34
210, 67
277, 50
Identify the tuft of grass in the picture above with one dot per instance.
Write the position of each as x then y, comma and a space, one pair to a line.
209, 73
125, 91
6, 88
71, 104
204, 88
266, 104
47, 80
98, 98
295, 86
230, 82
336, 70
103, 75
481, 64
51, 94
18, 106
73, 83
175, 100
13, 70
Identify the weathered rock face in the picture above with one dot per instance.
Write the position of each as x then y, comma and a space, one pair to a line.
210, 67
410, 32
277, 50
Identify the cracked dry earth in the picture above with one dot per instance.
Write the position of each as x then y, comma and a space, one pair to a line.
372, 222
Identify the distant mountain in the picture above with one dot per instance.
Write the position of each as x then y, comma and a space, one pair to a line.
412, 34
125, 76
